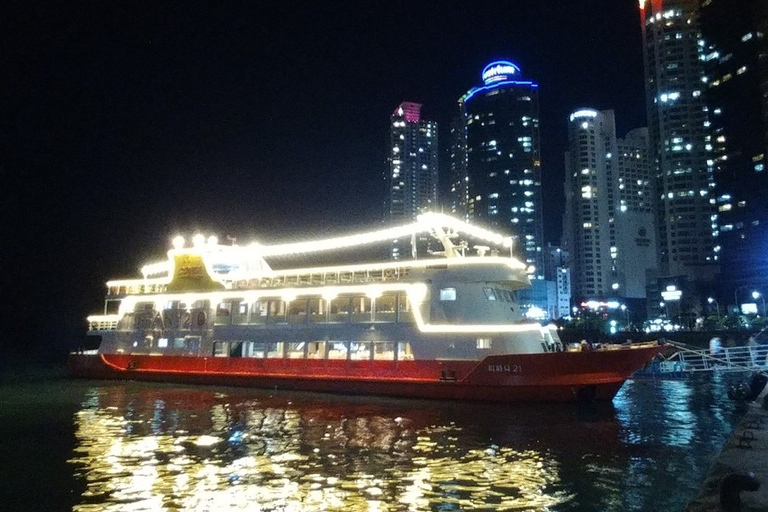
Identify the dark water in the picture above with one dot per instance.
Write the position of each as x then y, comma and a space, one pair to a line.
83, 445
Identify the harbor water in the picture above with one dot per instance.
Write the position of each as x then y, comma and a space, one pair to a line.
128, 446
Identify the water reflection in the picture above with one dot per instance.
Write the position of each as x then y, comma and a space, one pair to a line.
158, 447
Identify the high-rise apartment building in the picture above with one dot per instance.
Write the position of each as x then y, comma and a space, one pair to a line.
735, 34
680, 142
497, 165
558, 272
413, 169
609, 218
636, 216
459, 193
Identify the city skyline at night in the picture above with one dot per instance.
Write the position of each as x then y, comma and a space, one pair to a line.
125, 125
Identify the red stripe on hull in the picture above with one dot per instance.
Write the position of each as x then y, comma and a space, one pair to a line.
552, 377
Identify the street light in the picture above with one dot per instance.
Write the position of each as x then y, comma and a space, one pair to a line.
717, 305
757, 295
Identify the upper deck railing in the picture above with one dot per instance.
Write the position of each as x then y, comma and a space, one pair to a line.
276, 279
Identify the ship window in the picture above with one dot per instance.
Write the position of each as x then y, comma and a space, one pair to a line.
254, 349
112, 307
447, 294
297, 311
504, 295
489, 293
276, 312
385, 308
384, 351
361, 309
275, 350
316, 350
144, 306
192, 343
404, 313
360, 350
340, 308
404, 351
483, 343
223, 312
259, 312
220, 348
296, 350
240, 312
235, 349
316, 309
162, 342
227, 349
179, 343
337, 350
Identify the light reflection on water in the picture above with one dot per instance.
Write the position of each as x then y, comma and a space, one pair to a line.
159, 447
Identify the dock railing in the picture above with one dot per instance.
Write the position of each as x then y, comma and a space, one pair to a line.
682, 358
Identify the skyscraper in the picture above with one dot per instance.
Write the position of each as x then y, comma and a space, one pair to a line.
497, 168
557, 270
413, 171
680, 142
609, 219
735, 34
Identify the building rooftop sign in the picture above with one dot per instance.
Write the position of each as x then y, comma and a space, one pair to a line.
499, 70
498, 74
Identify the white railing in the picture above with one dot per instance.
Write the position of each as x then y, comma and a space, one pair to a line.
727, 359
102, 322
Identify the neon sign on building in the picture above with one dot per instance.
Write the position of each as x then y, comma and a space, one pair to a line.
499, 70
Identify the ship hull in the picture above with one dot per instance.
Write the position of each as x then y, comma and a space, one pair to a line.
549, 377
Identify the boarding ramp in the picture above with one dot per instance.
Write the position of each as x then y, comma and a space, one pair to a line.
680, 359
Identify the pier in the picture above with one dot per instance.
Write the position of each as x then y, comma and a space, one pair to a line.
738, 478
741, 465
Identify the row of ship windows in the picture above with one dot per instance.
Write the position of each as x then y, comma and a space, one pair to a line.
358, 350
359, 308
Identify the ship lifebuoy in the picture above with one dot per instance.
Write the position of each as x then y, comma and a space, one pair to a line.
201, 318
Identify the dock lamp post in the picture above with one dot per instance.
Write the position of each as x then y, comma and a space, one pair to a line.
757, 295
711, 300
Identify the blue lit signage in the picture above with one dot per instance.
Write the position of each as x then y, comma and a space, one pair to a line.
498, 74
499, 70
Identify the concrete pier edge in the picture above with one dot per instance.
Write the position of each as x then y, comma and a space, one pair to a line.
746, 451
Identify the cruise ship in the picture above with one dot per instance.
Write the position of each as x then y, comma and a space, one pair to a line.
443, 324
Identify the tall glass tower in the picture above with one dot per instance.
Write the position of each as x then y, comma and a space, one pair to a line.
413, 172
735, 33
680, 142
501, 167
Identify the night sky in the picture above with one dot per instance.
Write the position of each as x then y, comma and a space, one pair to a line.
126, 123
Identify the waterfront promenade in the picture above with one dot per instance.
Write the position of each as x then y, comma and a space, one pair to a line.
746, 452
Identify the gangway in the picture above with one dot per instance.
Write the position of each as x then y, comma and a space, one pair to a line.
683, 359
